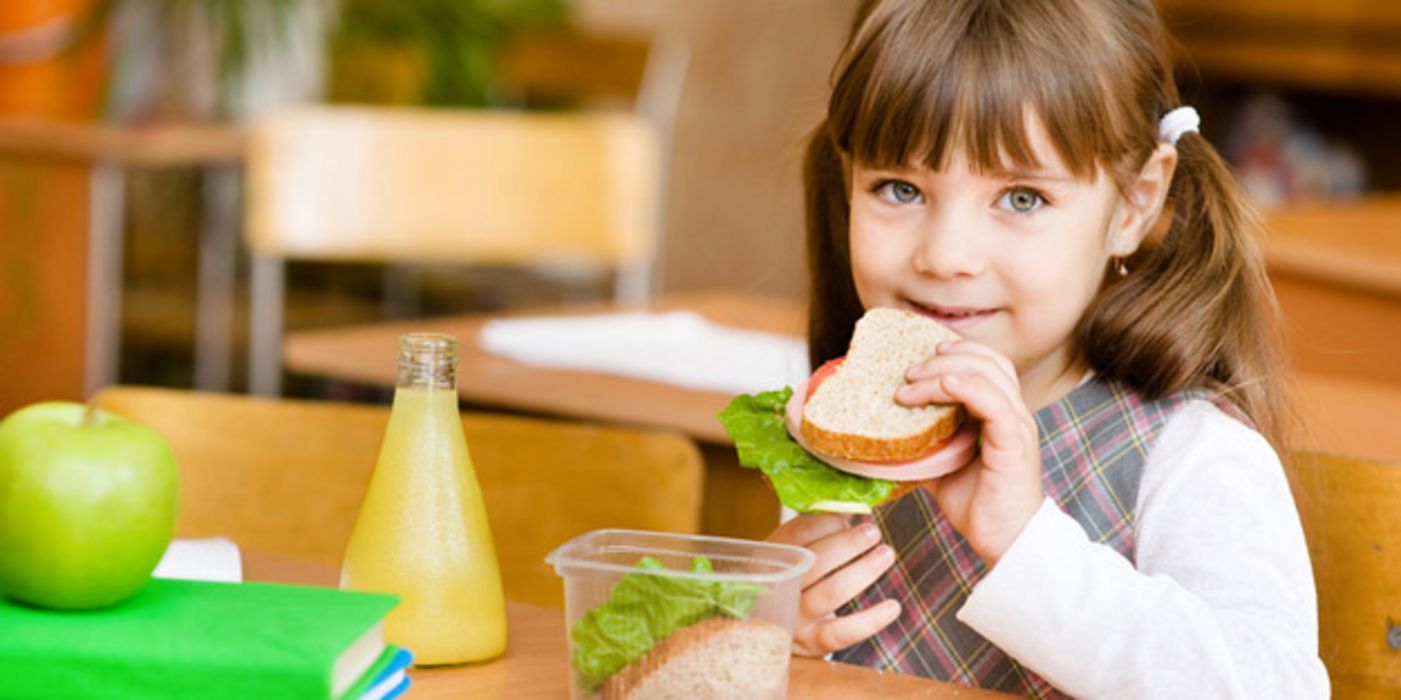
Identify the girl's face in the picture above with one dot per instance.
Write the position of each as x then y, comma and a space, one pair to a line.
1007, 259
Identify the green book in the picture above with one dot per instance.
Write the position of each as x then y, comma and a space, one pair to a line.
179, 639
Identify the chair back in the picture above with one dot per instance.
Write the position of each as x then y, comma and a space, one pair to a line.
1351, 513
642, 73
286, 477
558, 191
469, 186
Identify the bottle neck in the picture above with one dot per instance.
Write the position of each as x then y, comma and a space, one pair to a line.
427, 361
427, 376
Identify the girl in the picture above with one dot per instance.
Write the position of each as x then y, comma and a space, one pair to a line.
1023, 171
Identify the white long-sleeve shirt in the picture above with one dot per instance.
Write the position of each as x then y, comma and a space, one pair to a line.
1221, 604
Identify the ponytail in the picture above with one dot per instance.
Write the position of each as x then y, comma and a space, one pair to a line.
833, 306
1196, 309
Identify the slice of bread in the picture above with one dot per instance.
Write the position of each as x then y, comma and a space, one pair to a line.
718, 658
853, 414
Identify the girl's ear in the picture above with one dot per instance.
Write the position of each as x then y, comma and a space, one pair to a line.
1142, 202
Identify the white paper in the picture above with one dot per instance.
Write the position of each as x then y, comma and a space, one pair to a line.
681, 348
212, 559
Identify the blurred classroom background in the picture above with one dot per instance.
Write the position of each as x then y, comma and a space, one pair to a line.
124, 133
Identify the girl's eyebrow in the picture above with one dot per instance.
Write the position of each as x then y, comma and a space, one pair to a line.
1025, 174
888, 170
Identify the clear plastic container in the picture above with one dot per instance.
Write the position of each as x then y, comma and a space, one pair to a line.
675, 632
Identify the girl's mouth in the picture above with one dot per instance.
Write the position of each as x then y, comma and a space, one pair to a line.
958, 318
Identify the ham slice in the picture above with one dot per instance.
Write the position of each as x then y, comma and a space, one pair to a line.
958, 451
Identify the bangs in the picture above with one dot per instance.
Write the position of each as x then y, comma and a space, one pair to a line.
921, 79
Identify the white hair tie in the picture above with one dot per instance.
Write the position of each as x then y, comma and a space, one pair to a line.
1178, 122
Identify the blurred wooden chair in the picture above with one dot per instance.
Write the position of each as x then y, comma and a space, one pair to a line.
287, 477
574, 68
483, 187
1351, 512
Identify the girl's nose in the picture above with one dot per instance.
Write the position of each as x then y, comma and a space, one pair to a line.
947, 250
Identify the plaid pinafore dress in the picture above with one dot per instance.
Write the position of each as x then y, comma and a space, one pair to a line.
1094, 443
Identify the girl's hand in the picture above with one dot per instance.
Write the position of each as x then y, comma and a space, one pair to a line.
990, 500
849, 560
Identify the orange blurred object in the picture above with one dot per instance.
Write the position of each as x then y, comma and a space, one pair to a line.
39, 75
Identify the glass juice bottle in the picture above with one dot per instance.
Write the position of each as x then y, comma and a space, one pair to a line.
422, 531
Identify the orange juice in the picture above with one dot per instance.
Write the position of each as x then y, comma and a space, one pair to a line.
422, 531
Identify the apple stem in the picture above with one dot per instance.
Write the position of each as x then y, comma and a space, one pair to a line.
90, 415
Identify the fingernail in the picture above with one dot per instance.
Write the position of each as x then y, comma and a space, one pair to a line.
890, 607
871, 532
950, 381
885, 554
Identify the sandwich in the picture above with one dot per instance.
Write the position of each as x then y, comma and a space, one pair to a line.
668, 635
840, 442
717, 658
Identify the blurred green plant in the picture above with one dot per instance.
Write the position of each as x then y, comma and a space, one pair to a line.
451, 47
435, 52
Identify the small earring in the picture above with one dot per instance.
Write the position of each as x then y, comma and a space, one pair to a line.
1122, 268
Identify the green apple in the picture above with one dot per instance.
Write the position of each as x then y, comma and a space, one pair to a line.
87, 505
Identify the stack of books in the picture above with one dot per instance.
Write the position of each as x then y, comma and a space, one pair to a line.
183, 639
387, 678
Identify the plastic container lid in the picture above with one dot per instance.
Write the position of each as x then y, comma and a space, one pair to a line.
617, 552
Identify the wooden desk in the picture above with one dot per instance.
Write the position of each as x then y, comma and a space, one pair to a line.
1341, 412
1350, 417
62, 214
536, 661
1330, 46
1336, 269
366, 353
736, 502
165, 145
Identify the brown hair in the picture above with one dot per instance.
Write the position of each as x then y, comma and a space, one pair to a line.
920, 77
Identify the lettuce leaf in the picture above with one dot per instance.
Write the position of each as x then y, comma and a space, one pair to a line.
643, 609
757, 426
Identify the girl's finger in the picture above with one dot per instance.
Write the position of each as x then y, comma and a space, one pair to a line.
837, 633
967, 347
1006, 426
928, 388
824, 597
806, 529
967, 360
839, 549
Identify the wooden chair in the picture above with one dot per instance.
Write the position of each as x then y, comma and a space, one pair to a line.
642, 74
1351, 512
286, 477
494, 188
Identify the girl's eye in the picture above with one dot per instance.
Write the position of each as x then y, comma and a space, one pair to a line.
1021, 200
898, 191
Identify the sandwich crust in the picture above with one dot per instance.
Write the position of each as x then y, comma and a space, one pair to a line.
866, 448
853, 414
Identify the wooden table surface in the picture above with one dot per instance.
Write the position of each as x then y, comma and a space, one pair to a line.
175, 144
1336, 269
366, 354
535, 664
74, 175
1348, 416
1341, 413
1353, 244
